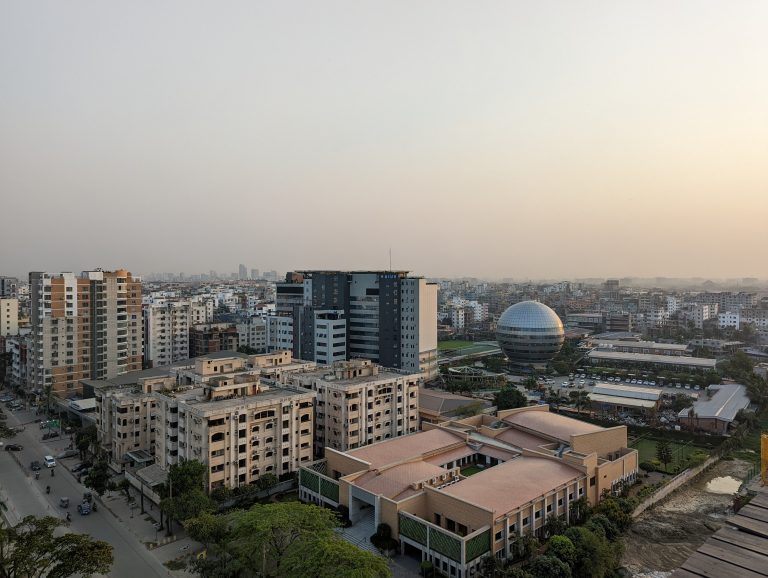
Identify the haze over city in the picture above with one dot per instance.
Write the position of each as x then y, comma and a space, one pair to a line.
526, 140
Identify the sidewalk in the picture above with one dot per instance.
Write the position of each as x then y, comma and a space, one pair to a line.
143, 526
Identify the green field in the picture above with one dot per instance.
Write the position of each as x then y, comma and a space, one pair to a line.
680, 452
457, 344
470, 471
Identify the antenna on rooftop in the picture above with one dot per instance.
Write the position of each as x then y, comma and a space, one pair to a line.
390, 258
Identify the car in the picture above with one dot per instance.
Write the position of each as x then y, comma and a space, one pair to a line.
50, 435
678, 385
610, 379
687, 386
564, 384
50, 461
14, 448
696, 387
84, 509
653, 383
35, 466
81, 466
64, 502
68, 454
6, 398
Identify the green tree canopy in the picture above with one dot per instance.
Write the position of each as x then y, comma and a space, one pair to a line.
562, 548
549, 567
509, 397
31, 550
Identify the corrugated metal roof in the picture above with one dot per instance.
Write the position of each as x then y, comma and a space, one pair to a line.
725, 403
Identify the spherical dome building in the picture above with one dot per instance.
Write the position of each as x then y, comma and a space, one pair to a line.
529, 332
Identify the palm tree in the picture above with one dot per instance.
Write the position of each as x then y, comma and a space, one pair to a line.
579, 398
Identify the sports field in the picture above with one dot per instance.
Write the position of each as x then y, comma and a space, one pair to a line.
457, 344
680, 452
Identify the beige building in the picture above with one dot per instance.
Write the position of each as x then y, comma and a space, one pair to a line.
83, 327
227, 411
9, 317
360, 403
471, 488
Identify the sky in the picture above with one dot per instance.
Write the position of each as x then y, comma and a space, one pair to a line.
491, 139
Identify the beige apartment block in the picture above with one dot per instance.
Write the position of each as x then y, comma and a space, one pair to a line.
360, 403
226, 411
85, 326
9, 317
466, 489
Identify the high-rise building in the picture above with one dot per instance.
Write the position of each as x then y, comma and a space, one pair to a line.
384, 316
9, 317
83, 327
166, 332
242, 272
254, 274
212, 337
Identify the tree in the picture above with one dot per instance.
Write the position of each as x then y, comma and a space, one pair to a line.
86, 438
664, 452
562, 548
554, 525
340, 559
580, 398
579, 510
279, 539
595, 556
602, 526
266, 482
549, 567
31, 550
509, 397
98, 477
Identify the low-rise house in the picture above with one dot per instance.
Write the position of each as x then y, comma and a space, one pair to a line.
716, 408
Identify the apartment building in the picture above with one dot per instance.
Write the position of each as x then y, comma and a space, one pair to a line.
252, 333
9, 316
463, 490
227, 411
279, 333
360, 403
83, 327
212, 337
8, 287
390, 318
166, 332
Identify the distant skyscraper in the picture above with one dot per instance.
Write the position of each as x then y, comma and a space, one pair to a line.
83, 327
384, 316
254, 274
243, 272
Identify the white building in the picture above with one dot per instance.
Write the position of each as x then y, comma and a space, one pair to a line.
253, 333
418, 327
279, 333
166, 332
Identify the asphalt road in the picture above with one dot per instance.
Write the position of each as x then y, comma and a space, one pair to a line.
27, 497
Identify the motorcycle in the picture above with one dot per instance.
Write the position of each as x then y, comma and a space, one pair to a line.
47, 489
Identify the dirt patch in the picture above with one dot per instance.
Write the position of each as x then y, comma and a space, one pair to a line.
663, 537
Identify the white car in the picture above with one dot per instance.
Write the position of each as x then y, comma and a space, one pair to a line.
49, 462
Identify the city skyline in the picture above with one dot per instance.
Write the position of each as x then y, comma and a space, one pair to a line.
521, 141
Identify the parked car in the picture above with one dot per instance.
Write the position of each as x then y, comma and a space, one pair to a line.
50, 435
81, 466
35, 466
68, 454
14, 448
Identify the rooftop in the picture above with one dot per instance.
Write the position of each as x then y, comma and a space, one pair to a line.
442, 402
701, 362
396, 481
552, 425
627, 391
640, 344
508, 486
725, 403
406, 447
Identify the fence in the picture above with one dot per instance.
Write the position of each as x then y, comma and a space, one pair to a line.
673, 484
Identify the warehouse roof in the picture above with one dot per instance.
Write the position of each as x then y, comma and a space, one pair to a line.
725, 402
679, 360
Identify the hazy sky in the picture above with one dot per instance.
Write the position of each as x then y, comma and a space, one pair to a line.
522, 139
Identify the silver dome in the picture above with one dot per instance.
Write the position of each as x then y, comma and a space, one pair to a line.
530, 332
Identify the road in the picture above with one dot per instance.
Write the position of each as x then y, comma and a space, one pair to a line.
26, 496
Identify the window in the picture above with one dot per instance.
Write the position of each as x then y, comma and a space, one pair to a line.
591, 482
525, 521
498, 536
549, 508
537, 515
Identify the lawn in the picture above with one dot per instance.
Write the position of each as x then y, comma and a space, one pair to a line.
680, 452
470, 471
453, 344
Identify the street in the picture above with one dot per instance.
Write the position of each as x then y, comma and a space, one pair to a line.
27, 496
